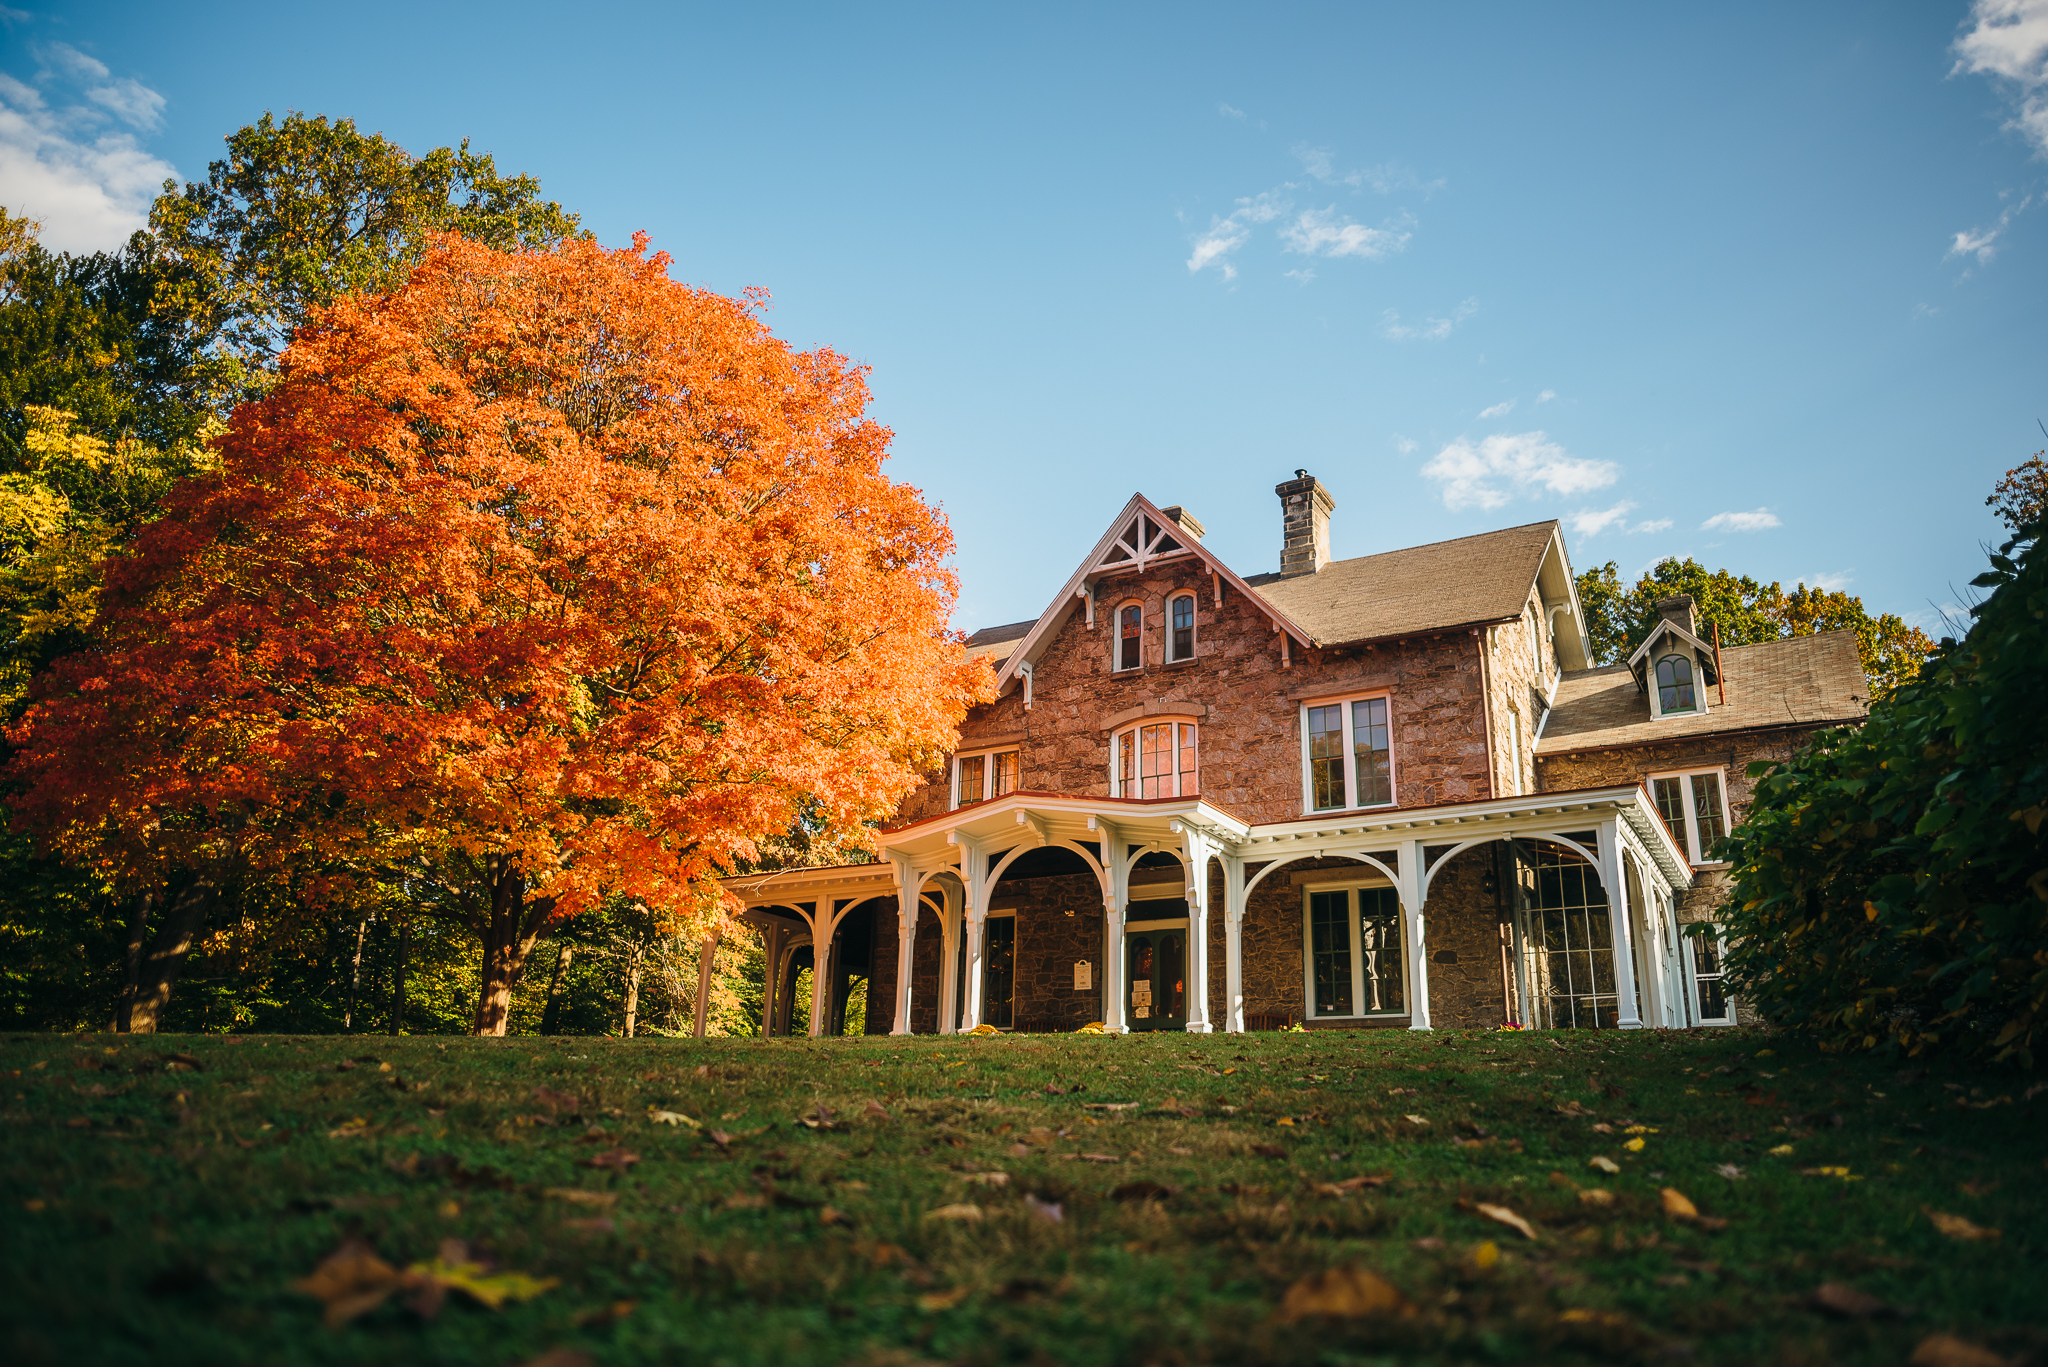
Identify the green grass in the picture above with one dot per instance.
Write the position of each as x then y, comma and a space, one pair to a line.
154, 1214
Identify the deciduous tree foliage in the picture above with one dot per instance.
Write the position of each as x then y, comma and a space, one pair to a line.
1747, 611
543, 562
2017, 499
1891, 882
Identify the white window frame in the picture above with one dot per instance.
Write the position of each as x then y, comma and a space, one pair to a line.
1308, 786
1350, 887
1116, 638
988, 773
1690, 836
1692, 977
1699, 684
1194, 603
1130, 731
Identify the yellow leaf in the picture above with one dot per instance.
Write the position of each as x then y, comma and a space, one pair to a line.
1634, 1145
1782, 1151
1596, 1196
1640, 1129
1678, 1206
1289, 1120
959, 1211
1342, 1291
1829, 1171
1415, 1119
660, 1117
1486, 1255
943, 1300
491, 1289
1507, 1217
1957, 1227
1946, 1350
1603, 1163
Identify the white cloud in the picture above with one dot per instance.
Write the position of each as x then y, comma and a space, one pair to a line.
90, 185
1546, 396
1429, 330
2010, 44
1499, 410
1662, 524
1756, 521
1325, 232
1590, 522
1924, 311
1226, 235
1384, 179
1488, 474
1983, 242
1832, 583
1302, 276
1404, 445
1229, 112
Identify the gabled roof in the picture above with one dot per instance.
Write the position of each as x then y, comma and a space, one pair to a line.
1804, 681
1463, 582
997, 641
1666, 627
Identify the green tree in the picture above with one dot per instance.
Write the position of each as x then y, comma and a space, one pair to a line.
1891, 882
1746, 611
305, 210
2018, 497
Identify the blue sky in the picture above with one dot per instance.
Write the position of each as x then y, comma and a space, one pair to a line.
1757, 284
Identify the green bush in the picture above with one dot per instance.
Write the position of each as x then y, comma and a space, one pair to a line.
1891, 882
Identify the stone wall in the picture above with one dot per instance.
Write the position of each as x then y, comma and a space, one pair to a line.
1520, 687
1247, 703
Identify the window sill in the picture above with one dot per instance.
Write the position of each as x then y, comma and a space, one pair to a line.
1315, 812
1182, 664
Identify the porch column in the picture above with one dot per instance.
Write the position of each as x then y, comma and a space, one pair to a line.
1233, 944
1196, 849
1618, 918
823, 917
1115, 856
706, 948
909, 883
949, 967
771, 948
976, 919
1410, 888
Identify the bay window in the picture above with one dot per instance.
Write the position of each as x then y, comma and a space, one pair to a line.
1157, 759
1347, 755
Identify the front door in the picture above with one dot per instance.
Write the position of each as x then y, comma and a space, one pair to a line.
1158, 980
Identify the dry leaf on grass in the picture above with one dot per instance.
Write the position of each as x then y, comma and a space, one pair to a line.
831, 1215
1110, 1105
1269, 1151
961, 1211
1679, 1206
605, 1199
1596, 1196
1839, 1298
1342, 1291
1507, 1217
1957, 1227
350, 1281
875, 1110
1416, 1119
558, 1102
1603, 1163
1049, 1211
943, 1300
986, 1179
1100, 1158
1946, 1350
660, 1117
617, 1160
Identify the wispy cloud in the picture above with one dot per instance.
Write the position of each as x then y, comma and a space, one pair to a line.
1832, 583
1499, 410
63, 160
1405, 445
1384, 179
1325, 232
1759, 520
2009, 43
1430, 329
1924, 311
1590, 522
1230, 111
1488, 473
1312, 232
1302, 276
1546, 396
1982, 243
1226, 235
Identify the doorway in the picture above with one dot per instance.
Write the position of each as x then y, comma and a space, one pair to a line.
1158, 997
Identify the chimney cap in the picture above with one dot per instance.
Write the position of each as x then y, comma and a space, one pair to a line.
1301, 474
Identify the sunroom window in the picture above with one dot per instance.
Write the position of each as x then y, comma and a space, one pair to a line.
1694, 809
1159, 759
1349, 756
1354, 953
1674, 685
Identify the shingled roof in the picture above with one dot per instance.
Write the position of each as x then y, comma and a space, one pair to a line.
1805, 681
997, 642
1473, 579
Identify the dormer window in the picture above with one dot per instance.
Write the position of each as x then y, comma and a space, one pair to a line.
1181, 617
1674, 685
1130, 645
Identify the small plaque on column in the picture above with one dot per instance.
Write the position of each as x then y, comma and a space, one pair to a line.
1084, 976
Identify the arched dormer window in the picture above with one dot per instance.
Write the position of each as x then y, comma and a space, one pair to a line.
1130, 642
1180, 617
1674, 685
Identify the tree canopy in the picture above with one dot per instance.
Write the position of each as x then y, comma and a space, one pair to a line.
543, 561
1747, 611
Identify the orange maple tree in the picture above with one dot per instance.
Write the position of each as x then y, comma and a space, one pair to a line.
572, 575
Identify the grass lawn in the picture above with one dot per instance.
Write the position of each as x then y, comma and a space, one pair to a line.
1151, 1199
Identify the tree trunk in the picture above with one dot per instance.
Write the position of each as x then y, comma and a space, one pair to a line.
633, 994
398, 977
508, 938
138, 929
551, 1014
184, 920
355, 976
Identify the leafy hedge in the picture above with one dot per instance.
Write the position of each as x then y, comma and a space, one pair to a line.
1891, 882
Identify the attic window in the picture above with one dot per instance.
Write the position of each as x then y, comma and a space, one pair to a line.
1674, 685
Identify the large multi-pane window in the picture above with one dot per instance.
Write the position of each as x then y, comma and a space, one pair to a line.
1354, 953
977, 778
1674, 685
1181, 618
1568, 941
999, 971
1695, 810
1158, 759
1130, 644
1711, 1003
1349, 757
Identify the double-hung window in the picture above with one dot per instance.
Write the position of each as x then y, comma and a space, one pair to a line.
1180, 620
1695, 810
1711, 1004
1157, 759
1130, 637
1353, 956
1347, 754
977, 778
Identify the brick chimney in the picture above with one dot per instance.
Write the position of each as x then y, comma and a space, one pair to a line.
1187, 520
1678, 610
1304, 524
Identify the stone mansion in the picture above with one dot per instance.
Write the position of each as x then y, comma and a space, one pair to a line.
1388, 791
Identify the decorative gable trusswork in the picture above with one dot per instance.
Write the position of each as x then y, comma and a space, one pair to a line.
1674, 666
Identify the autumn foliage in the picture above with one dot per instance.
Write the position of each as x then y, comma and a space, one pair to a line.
543, 564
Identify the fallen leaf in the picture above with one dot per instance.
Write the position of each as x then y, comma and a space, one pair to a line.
1342, 1291
1596, 1196
1283, 1120
1269, 1151
558, 1102
1782, 1151
605, 1199
1110, 1105
875, 1110
1100, 1158
1507, 1217
986, 1179
1946, 1350
1416, 1119
350, 1281
478, 1282
1678, 1206
831, 1215
618, 1160
1958, 1227
1729, 1171
1837, 1298
1603, 1163
1634, 1145
960, 1211
1830, 1171
719, 1137
1049, 1211
1486, 1255
818, 1118
672, 1118
943, 1300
